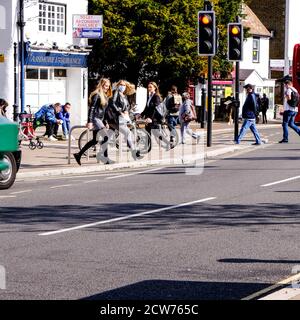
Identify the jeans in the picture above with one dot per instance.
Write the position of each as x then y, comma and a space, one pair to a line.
288, 121
185, 128
173, 121
66, 127
246, 125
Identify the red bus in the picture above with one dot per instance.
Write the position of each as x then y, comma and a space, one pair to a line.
296, 74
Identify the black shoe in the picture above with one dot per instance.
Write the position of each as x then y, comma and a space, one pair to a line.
77, 158
283, 141
256, 144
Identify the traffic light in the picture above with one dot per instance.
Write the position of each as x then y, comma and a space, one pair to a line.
235, 41
206, 33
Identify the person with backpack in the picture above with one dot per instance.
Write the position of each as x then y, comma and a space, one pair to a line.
249, 112
173, 103
291, 103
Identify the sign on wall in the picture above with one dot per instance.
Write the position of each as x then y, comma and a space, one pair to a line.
87, 26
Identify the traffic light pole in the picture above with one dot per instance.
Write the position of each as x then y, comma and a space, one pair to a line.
237, 100
209, 102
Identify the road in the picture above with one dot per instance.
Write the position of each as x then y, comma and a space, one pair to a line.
157, 233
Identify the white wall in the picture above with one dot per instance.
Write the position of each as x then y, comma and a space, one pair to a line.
263, 66
63, 40
294, 26
8, 35
77, 96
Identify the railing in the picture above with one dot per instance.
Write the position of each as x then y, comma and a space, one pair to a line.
70, 140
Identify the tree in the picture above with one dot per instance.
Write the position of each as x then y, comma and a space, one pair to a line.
155, 40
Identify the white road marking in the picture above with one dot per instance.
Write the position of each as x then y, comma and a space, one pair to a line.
20, 192
127, 217
280, 181
133, 174
5, 197
289, 280
91, 181
61, 186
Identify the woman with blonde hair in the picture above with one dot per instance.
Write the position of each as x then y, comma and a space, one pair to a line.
98, 102
118, 113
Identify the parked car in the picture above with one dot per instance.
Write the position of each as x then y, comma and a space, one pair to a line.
10, 155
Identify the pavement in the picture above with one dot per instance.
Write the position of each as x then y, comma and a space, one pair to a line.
52, 160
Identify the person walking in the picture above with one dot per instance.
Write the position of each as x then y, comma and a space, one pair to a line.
249, 115
173, 103
264, 107
186, 115
117, 114
291, 101
98, 102
151, 115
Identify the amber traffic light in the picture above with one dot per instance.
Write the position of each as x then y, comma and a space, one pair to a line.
206, 33
235, 41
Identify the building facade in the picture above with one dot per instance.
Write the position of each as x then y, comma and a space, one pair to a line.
55, 62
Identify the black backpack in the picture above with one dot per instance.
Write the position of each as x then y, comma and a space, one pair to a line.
294, 99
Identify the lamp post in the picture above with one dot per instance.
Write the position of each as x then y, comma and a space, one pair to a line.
21, 24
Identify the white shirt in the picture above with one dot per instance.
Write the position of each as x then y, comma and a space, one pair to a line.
288, 92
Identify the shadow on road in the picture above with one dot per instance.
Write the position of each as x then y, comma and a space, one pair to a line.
180, 290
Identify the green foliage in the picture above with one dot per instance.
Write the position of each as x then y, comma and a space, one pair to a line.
156, 40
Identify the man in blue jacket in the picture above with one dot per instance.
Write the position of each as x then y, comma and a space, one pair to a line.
64, 115
250, 109
47, 114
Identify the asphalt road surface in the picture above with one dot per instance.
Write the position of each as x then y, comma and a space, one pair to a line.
156, 233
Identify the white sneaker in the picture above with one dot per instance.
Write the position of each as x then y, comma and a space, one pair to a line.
67, 137
51, 138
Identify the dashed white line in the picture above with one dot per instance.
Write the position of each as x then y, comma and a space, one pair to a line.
280, 181
130, 216
61, 186
20, 192
132, 174
5, 197
91, 181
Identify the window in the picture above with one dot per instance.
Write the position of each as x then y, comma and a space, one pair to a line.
52, 17
60, 73
44, 74
32, 73
255, 51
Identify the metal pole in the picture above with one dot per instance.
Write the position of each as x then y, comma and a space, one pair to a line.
209, 102
286, 42
203, 106
237, 100
21, 24
15, 107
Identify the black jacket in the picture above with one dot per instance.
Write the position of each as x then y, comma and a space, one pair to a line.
117, 105
250, 107
150, 110
96, 110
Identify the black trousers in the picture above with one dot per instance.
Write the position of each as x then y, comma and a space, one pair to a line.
50, 127
94, 141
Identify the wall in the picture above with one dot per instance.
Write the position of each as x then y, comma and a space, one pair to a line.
263, 66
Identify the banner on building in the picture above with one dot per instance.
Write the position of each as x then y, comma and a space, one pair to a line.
87, 26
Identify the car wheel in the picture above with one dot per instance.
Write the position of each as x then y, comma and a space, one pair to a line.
8, 176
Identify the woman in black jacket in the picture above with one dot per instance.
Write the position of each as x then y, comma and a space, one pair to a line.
117, 114
98, 102
152, 116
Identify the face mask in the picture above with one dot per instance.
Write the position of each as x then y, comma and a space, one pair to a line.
122, 88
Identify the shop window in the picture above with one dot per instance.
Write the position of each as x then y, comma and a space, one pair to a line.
60, 73
52, 17
44, 74
32, 74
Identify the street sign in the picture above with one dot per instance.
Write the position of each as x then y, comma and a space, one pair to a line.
87, 26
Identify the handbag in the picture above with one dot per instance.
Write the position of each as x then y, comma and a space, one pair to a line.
187, 117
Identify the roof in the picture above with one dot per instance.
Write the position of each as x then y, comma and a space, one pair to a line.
245, 73
252, 22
